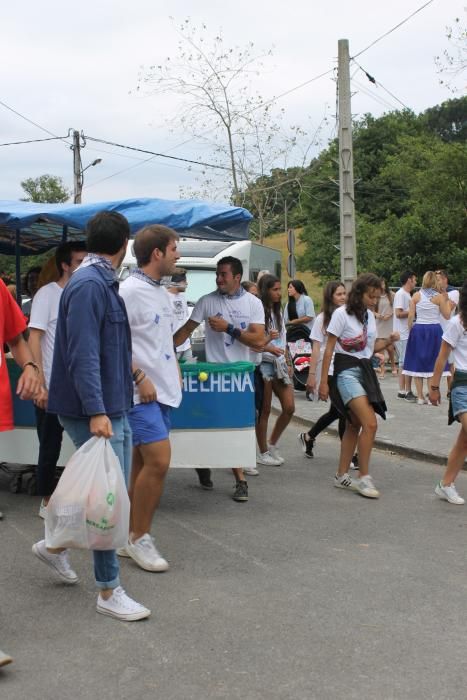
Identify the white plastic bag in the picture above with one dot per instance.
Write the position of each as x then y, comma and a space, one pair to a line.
90, 508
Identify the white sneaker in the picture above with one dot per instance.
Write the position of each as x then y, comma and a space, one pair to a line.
5, 659
275, 454
251, 471
58, 562
121, 552
144, 552
121, 606
365, 487
42, 510
267, 459
344, 481
449, 493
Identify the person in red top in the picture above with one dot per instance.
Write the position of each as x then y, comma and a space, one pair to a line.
12, 325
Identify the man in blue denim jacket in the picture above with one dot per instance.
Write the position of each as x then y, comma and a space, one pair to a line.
91, 385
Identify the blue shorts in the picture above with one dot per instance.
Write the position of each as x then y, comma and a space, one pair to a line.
150, 422
349, 384
459, 400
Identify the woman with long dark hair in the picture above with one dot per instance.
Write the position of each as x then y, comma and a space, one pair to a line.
454, 340
300, 310
275, 372
355, 392
334, 295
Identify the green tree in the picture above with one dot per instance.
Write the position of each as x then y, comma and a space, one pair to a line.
45, 188
410, 196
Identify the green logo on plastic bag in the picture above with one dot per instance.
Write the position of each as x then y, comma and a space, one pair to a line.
110, 499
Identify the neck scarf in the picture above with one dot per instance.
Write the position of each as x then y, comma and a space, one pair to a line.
99, 260
138, 272
239, 293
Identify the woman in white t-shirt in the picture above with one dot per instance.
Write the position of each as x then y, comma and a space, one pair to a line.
275, 372
334, 296
454, 340
356, 391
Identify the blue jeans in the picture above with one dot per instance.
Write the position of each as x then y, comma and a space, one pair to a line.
106, 566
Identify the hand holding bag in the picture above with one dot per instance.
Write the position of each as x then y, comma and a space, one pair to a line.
89, 508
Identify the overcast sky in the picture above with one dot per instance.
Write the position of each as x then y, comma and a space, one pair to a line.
77, 66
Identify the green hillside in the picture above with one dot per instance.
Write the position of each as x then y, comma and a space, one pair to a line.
309, 279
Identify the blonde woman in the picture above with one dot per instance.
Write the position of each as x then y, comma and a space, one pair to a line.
425, 311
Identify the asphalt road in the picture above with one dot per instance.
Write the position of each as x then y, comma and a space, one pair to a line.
304, 592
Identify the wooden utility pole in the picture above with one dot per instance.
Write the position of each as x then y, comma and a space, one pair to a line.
348, 246
77, 171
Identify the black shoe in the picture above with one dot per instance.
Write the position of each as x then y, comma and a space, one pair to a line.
354, 462
241, 491
307, 445
410, 397
401, 394
204, 476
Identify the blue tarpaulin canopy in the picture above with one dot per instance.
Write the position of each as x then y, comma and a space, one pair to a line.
28, 228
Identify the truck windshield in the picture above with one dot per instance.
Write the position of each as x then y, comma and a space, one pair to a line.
200, 282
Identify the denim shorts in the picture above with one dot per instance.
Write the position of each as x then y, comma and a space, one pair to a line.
349, 384
150, 422
459, 400
268, 372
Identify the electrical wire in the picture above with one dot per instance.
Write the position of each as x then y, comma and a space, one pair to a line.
377, 98
393, 29
42, 128
17, 143
378, 84
158, 155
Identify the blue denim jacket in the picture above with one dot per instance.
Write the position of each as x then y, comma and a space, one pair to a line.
91, 370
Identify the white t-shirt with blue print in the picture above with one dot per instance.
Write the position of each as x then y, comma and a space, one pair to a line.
149, 310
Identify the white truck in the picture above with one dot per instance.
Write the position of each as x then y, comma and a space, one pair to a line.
200, 257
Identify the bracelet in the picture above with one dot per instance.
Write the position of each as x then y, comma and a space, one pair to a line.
232, 331
141, 378
136, 373
434, 388
32, 364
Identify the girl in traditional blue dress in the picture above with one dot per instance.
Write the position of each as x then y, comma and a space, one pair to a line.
426, 307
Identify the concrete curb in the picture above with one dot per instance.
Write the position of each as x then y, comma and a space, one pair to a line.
380, 444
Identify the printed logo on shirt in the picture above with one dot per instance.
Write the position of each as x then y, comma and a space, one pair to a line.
157, 318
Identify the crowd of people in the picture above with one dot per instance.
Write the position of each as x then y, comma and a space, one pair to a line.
103, 359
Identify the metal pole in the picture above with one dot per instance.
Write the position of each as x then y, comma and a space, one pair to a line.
77, 173
348, 244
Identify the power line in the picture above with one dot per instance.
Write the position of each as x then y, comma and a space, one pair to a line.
393, 29
17, 143
378, 84
158, 155
377, 98
42, 128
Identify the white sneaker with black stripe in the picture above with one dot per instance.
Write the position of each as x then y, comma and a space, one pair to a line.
344, 481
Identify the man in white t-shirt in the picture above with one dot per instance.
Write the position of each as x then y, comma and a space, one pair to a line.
181, 313
42, 325
157, 384
234, 324
401, 325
